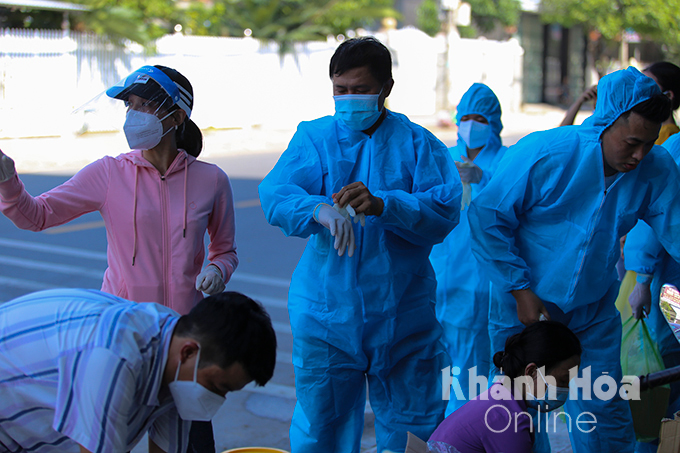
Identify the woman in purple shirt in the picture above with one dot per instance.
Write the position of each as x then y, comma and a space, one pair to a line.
535, 364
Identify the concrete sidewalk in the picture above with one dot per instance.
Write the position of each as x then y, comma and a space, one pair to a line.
250, 152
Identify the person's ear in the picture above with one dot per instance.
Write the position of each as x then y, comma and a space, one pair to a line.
189, 349
388, 88
178, 116
530, 370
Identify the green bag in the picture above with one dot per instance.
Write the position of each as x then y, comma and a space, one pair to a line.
640, 356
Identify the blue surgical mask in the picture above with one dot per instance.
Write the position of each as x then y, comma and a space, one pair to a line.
474, 134
546, 403
358, 111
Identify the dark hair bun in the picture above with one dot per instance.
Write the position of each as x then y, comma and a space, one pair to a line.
544, 343
498, 359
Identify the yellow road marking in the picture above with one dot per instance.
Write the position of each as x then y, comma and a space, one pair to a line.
248, 203
75, 227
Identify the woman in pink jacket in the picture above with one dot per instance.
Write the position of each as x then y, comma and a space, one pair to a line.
157, 201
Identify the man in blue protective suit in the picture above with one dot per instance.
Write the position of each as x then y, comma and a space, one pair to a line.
547, 229
367, 314
462, 285
654, 267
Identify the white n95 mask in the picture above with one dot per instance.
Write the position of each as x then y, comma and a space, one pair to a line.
193, 401
357, 111
143, 130
474, 134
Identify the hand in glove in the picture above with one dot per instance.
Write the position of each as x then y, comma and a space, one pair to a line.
210, 280
640, 300
6, 167
468, 171
349, 213
340, 228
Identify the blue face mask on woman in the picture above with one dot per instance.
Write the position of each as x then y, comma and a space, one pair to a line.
358, 111
474, 134
546, 404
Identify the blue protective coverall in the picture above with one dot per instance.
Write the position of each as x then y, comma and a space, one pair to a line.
370, 316
644, 254
546, 221
462, 286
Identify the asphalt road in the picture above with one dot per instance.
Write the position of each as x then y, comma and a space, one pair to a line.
74, 255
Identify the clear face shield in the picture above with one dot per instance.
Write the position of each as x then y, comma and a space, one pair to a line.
139, 103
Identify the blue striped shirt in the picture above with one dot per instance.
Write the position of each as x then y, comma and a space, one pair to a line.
84, 367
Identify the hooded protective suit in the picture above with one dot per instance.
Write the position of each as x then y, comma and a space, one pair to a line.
549, 221
370, 315
462, 285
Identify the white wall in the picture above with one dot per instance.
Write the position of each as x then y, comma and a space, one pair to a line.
238, 82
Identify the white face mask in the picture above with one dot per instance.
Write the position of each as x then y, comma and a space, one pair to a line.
144, 130
193, 401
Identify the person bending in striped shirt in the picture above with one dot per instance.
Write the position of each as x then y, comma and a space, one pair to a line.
85, 371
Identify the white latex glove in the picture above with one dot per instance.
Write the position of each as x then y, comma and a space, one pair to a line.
468, 171
339, 226
210, 280
467, 196
640, 300
6, 167
348, 212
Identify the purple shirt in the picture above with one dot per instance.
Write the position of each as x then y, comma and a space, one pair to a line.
492, 422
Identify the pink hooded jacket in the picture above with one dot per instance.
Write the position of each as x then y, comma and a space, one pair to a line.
155, 225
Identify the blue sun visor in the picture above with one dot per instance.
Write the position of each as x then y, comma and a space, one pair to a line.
149, 82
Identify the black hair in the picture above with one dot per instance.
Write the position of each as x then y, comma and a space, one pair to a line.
656, 109
188, 136
545, 343
668, 77
360, 52
232, 328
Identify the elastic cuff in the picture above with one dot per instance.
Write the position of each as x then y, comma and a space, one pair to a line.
643, 278
316, 219
218, 270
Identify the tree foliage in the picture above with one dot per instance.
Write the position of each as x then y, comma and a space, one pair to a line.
285, 21
427, 17
137, 20
653, 19
486, 14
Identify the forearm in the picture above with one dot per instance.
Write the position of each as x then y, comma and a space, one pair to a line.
226, 263
85, 192
570, 116
642, 250
493, 245
18, 206
423, 218
291, 211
